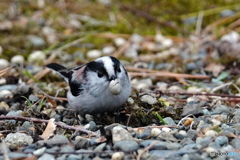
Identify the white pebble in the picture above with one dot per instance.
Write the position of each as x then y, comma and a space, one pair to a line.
3, 81
210, 150
18, 59
194, 89
36, 57
182, 132
211, 133
3, 63
216, 122
155, 132
119, 42
165, 129
5, 94
108, 50
117, 156
232, 37
175, 89
94, 53
167, 43
148, 99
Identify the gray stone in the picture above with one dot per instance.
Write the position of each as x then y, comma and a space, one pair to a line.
67, 148
120, 134
187, 141
192, 134
203, 141
221, 109
126, 146
16, 140
36, 41
169, 121
221, 140
173, 146
74, 157
235, 143
146, 133
15, 155
57, 139
194, 109
100, 147
148, 99
46, 156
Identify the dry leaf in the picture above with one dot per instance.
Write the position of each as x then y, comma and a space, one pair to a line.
49, 129
214, 68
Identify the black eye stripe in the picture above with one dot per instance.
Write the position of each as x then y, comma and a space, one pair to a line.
97, 67
116, 65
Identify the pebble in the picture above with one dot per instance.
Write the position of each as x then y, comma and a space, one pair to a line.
16, 140
18, 59
126, 145
155, 132
5, 94
108, 50
211, 133
37, 57
46, 156
119, 41
118, 156
221, 140
40, 151
221, 109
94, 54
169, 121
120, 134
3, 63
148, 99
36, 41
235, 143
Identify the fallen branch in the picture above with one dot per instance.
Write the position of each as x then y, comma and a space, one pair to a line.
59, 124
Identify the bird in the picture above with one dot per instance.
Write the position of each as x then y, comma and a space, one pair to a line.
101, 85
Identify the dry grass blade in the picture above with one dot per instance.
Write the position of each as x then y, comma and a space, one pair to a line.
148, 72
39, 75
4, 71
146, 149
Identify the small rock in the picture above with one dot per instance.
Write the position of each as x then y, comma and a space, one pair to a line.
194, 109
36, 41
118, 156
221, 109
57, 139
194, 89
169, 121
5, 94
18, 59
192, 134
211, 133
67, 148
136, 38
162, 86
120, 134
126, 145
175, 89
32, 98
145, 134
3, 63
148, 99
108, 50
100, 147
40, 151
46, 156
37, 57
187, 141
155, 132
131, 52
167, 130
16, 140
182, 132
4, 108
221, 140
94, 53
119, 42
235, 143
231, 37
203, 141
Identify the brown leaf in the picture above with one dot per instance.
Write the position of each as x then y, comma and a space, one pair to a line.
214, 68
49, 129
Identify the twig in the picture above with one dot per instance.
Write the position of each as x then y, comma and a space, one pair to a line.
4, 71
146, 149
59, 124
168, 74
39, 75
221, 87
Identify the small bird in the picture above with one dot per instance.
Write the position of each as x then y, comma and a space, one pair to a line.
102, 85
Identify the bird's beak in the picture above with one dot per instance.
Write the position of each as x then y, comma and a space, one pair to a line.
115, 87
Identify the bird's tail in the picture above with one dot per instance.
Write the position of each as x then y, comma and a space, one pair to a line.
61, 70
